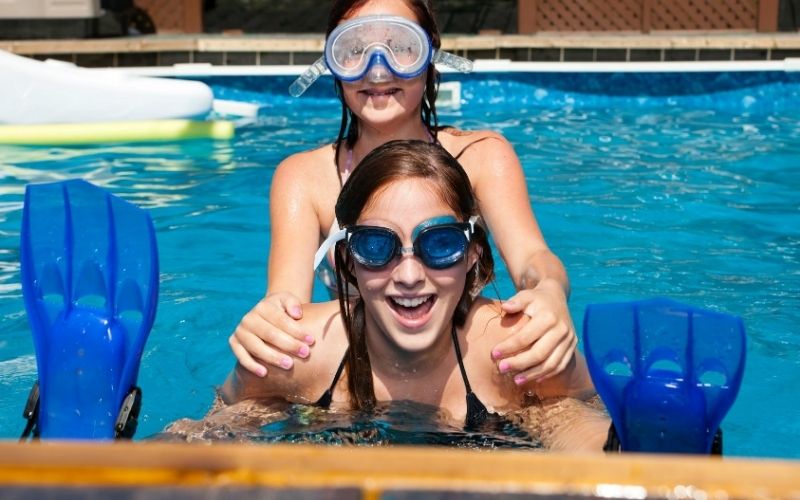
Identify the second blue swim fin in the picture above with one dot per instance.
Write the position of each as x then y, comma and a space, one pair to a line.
90, 281
667, 372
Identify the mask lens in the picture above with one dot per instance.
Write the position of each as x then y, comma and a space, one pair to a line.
372, 246
348, 52
351, 48
405, 47
441, 247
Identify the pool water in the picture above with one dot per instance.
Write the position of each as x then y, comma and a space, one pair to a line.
398, 422
676, 185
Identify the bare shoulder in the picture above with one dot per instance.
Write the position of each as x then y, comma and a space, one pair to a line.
307, 379
311, 163
314, 373
324, 319
307, 178
469, 144
487, 325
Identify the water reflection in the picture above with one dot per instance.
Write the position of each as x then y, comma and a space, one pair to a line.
400, 422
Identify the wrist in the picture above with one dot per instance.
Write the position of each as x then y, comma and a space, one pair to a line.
551, 285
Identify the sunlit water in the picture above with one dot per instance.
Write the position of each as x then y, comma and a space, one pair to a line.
400, 422
685, 186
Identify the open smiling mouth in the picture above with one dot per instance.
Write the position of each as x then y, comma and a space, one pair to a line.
380, 92
412, 307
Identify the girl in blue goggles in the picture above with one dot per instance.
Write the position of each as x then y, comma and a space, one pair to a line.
377, 47
439, 243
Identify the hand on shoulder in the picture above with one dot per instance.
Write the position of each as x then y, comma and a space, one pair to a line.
307, 378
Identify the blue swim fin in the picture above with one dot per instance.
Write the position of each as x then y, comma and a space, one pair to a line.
89, 266
667, 372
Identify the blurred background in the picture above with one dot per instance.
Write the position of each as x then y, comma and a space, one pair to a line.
43, 19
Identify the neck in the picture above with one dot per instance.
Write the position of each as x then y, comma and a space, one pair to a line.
370, 137
394, 363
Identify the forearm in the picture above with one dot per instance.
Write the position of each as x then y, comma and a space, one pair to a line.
566, 424
574, 381
541, 267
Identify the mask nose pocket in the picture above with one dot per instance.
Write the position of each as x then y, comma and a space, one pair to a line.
378, 71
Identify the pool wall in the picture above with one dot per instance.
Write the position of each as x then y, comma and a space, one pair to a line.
730, 86
156, 470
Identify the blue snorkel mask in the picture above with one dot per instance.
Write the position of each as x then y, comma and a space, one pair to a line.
379, 48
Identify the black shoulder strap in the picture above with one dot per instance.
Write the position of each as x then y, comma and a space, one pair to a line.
476, 410
327, 397
454, 334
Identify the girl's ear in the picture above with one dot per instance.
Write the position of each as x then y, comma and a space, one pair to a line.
474, 255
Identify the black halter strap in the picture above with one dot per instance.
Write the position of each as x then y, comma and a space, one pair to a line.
476, 410
327, 397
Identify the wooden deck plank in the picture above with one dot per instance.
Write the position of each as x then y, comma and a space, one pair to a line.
140, 465
314, 43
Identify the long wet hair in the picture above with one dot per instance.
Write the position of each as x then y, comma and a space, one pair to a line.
392, 162
349, 127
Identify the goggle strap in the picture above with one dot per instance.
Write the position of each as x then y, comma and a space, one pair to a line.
475, 219
458, 63
331, 240
307, 78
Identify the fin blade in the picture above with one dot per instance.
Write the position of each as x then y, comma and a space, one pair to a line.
87, 246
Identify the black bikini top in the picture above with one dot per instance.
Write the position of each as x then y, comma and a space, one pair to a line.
477, 413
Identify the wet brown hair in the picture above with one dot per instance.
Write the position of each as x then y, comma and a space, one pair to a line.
423, 10
392, 162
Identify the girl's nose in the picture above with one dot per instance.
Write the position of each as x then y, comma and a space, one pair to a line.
409, 271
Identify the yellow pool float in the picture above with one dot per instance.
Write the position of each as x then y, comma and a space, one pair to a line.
63, 134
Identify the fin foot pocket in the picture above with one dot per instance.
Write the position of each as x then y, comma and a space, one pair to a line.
667, 372
613, 445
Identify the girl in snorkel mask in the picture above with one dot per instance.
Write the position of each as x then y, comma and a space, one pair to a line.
383, 54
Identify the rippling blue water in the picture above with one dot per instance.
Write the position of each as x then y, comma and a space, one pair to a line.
686, 186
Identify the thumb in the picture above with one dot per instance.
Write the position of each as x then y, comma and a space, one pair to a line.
292, 306
513, 305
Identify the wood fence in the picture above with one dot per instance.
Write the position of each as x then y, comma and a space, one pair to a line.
646, 15
175, 16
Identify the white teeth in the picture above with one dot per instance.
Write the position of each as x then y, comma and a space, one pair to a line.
410, 301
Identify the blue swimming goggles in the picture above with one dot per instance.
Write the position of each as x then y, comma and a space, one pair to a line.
377, 47
437, 245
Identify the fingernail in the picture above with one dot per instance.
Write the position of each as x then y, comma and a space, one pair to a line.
286, 363
296, 311
309, 339
519, 380
261, 371
504, 366
496, 354
303, 351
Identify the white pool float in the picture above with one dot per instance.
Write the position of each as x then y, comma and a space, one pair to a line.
35, 92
